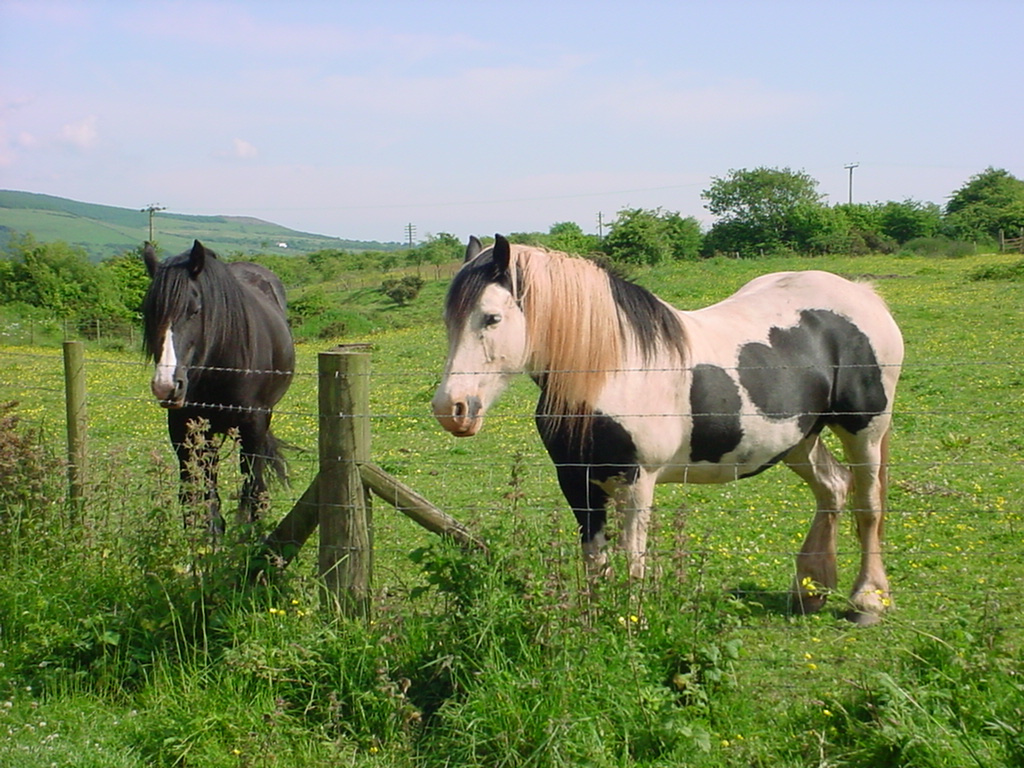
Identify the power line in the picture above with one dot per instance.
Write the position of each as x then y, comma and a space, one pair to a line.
151, 209
850, 167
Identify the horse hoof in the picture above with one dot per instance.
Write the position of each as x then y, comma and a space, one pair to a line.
807, 604
862, 619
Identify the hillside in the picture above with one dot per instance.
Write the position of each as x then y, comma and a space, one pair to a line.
104, 230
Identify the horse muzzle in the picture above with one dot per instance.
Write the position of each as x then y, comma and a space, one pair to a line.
463, 418
171, 395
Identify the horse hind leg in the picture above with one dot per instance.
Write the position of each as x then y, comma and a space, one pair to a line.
259, 451
830, 482
253, 496
867, 454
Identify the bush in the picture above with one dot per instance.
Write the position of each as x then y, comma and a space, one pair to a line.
938, 247
402, 290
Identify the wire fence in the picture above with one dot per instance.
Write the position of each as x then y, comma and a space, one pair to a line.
967, 459
955, 519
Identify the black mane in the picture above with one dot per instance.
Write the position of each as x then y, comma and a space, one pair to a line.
227, 330
469, 282
652, 322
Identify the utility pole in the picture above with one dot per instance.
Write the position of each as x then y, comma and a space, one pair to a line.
410, 231
600, 226
850, 167
151, 209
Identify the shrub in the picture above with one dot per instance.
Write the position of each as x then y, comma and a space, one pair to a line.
938, 247
402, 290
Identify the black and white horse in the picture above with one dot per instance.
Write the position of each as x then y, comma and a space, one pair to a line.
635, 393
218, 334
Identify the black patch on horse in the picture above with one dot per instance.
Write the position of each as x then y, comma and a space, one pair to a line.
715, 405
605, 451
822, 370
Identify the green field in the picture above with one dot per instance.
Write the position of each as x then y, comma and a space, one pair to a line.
124, 641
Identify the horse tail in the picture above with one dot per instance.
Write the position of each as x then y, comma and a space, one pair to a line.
273, 457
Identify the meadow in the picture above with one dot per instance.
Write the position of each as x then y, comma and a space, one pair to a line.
127, 640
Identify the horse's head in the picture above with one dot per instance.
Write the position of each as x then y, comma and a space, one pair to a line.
487, 339
172, 313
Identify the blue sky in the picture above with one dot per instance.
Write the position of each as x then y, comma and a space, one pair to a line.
354, 119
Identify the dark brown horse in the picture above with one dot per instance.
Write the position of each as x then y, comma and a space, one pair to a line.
218, 334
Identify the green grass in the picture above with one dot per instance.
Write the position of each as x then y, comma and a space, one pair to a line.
126, 642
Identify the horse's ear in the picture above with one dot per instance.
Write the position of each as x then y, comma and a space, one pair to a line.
502, 254
473, 247
196, 259
149, 257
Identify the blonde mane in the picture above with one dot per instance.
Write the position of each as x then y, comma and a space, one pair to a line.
578, 333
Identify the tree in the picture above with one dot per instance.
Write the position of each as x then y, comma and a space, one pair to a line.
864, 221
640, 236
816, 229
59, 278
442, 248
990, 201
568, 237
757, 208
131, 281
685, 235
565, 236
909, 220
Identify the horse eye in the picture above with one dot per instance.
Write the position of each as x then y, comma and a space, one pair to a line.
491, 320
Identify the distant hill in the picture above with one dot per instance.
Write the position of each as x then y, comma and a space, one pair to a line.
103, 230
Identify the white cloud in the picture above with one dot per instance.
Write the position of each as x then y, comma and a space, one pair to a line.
82, 134
244, 150
12, 146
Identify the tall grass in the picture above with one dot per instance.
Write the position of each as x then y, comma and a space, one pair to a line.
127, 639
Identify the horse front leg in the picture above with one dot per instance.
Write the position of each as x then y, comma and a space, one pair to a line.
633, 501
589, 505
198, 457
593, 543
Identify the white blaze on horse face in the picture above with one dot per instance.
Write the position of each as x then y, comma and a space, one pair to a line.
163, 383
483, 355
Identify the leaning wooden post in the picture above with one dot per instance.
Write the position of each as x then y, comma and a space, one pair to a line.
346, 555
74, 401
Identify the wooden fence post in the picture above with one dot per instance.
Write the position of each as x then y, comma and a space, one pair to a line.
346, 546
74, 400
